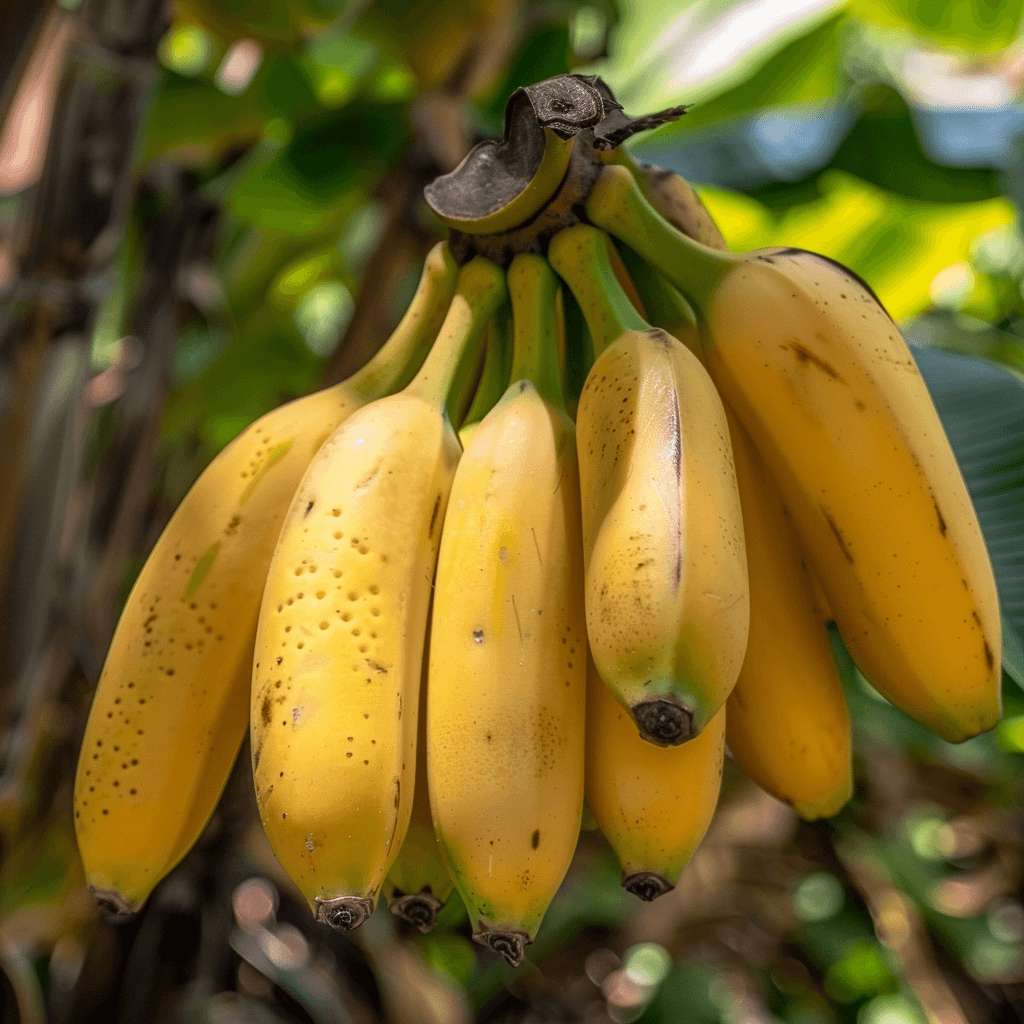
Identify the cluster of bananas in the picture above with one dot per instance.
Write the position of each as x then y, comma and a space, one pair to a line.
443, 641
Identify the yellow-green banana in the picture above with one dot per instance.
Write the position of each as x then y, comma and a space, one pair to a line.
666, 577
820, 376
652, 805
787, 722
506, 685
171, 707
339, 645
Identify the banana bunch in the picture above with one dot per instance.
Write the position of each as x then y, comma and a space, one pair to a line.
449, 612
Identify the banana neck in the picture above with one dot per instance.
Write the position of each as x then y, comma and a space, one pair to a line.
494, 375
453, 360
536, 321
398, 359
580, 255
666, 308
617, 205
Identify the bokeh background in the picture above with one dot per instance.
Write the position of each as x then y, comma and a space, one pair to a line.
213, 206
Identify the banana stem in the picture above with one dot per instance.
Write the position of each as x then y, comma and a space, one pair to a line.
534, 289
479, 291
398, 359
617, 205
495, 374
580, 256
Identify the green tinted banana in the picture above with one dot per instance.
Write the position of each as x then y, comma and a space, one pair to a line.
819, 375
666, 579
505, 698
340, 639
171, 707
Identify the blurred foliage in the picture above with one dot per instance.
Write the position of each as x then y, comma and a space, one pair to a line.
855, 129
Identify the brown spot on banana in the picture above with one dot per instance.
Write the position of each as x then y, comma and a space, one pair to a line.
433, 516
837, 533
942, 521
805, 355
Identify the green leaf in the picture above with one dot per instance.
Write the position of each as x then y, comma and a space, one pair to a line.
300, 188
804, 71
195, 121
687, 52
336, 63
982, 409
975, 25
882, 148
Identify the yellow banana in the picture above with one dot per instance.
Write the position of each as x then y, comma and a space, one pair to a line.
827, 388
340, 639
666, 578
418, 883
652, 805
787, 722
505, 698
171, 707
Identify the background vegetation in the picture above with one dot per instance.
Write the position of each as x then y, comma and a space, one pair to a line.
211, 208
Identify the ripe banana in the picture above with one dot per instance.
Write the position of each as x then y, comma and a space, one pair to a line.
340, 638
821, 378
505, 699
787, 724
787, 721
652, 805
171, 707
418, 884
666, 577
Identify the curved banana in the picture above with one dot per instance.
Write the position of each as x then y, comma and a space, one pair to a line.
418, 884
787, 722
339, 645
821, 378
505, 699
171, 707
652, 805
666, 576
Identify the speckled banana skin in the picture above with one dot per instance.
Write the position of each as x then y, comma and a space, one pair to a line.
172, 704
821, 378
